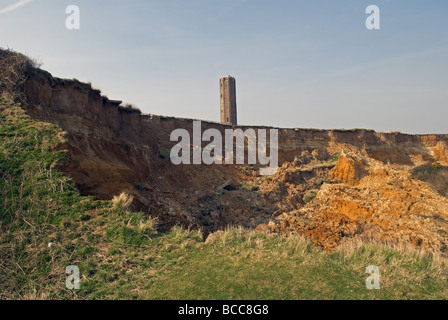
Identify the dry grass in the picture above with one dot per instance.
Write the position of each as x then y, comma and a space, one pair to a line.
433, 174
122, 202
130, 108
13, 70
240, 264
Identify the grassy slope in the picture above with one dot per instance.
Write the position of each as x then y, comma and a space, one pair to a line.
121, 256
435, 176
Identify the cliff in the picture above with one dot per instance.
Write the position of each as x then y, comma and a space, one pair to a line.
112, 149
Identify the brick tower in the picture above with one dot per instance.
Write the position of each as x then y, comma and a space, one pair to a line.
228, 100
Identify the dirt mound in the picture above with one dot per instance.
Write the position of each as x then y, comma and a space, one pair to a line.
349, 169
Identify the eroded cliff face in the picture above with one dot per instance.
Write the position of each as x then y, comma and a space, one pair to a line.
113, 149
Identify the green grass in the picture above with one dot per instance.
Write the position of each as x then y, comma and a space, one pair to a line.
249, 186
237, 264
121, 256
165, 153
40, 205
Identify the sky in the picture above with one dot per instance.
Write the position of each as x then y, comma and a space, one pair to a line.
297, 64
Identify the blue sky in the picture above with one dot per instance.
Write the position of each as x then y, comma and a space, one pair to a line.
310, 64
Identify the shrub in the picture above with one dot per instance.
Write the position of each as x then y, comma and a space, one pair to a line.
13, 69
335, 157
249, 186
130, 108
122, 202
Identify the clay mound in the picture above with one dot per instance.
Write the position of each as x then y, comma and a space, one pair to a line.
349, 169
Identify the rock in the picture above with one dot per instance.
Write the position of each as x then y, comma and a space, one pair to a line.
320, 154
144, 201
229, 185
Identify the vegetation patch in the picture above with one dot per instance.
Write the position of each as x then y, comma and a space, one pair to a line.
434, 174
310, 195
